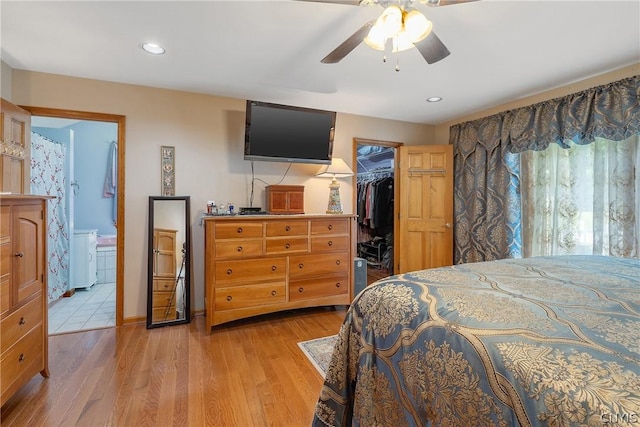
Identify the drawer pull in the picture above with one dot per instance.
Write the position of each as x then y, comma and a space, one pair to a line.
274, 268
287, 228
239, 248
330, 227
239, 229
22, 321
21, 358
273, 293
287, 246
229, 271
337, 262
229, 297
20, 254
338, 285
300, 265
330, 243
301, 289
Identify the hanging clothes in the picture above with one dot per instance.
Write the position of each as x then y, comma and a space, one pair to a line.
48, 178
111, 180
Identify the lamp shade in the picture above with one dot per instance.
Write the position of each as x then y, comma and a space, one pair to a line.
338, 168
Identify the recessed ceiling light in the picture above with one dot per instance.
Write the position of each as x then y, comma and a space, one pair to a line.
434, 99
152, 48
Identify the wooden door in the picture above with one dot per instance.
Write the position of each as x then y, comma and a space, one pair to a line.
424, 185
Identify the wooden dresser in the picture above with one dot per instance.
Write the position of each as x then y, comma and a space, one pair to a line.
23, 292
164, 275
263, 264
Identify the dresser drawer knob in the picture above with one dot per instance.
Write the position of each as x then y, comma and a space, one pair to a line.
330, 227
166, 286
21, 358
337, 262
229, 297
229, 271
330, 243
239, 229
274, 268
273, 293
300, 265
338, 285
287, 246
22, 321
301, 289
239, 248
20, 254
287, 228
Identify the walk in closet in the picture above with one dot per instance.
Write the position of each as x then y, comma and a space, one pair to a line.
375, 207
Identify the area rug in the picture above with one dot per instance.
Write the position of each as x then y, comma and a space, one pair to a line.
319, 351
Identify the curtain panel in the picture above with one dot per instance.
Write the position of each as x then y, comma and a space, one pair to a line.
487, 199
48, 178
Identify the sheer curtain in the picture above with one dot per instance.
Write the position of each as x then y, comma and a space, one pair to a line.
488, 205
582, 200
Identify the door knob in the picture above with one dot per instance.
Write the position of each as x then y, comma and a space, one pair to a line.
447, 225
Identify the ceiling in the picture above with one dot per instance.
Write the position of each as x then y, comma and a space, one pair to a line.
501, 50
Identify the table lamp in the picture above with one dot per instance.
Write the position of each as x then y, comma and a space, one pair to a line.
337, 169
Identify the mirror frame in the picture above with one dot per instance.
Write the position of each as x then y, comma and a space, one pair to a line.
187, 263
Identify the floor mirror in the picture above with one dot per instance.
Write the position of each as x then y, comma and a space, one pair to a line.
169, 269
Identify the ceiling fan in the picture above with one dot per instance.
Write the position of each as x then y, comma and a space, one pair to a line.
400, 26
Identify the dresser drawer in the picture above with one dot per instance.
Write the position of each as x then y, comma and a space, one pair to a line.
310, 265
250, 295
284, 245
21, 321
161, 314
167, 285
318, 287
164, 299
329, 243
238, 249
330, 226
287, 228
251, 271
22, 360
237, 230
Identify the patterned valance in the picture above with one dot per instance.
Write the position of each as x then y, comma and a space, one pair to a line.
610, 111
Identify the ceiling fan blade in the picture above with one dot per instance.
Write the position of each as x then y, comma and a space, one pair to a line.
348, 45
432, 48
435, 3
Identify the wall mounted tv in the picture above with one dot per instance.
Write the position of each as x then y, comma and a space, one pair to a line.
283, 133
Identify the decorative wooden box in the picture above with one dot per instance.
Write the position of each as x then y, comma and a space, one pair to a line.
285, 199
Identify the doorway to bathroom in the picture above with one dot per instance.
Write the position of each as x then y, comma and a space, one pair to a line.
76, 159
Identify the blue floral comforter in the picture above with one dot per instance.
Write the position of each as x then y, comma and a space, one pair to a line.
521, 342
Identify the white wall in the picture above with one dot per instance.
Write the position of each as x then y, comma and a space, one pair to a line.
208, 133
5, 81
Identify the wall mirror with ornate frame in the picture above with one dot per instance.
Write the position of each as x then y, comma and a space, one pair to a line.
169, 270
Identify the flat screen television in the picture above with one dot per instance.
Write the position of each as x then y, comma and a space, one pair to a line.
283, 133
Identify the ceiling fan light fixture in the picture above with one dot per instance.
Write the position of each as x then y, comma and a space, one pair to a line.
376, 38
402, 42
417, 26
390, 22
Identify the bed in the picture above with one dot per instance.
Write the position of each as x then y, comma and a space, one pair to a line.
521, 342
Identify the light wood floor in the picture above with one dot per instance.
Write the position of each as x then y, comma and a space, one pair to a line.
248, 373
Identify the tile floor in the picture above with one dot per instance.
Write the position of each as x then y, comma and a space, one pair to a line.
87, 309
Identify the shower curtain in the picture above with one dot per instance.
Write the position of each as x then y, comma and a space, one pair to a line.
48, 178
